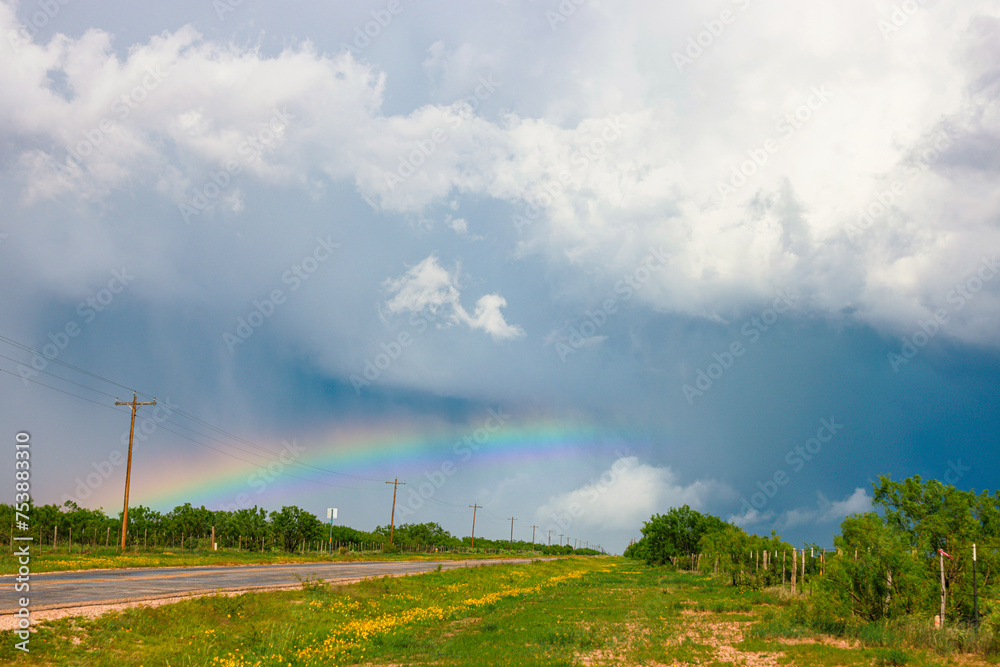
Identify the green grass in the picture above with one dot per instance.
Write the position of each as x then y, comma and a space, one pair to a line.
570, 611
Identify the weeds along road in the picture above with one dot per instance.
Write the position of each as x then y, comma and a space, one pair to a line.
87, 588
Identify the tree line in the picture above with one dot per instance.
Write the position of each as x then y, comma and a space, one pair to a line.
886, 563
289, 529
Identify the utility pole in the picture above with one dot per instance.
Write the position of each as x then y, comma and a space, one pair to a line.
550, 538
512, 520
392, 521
128, 470
560, 539
533, 538
474, 508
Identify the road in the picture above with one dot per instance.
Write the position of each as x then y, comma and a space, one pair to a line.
88, 588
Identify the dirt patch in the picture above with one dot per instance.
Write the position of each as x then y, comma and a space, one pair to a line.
723, 637
598, 657
835, 642
461, 624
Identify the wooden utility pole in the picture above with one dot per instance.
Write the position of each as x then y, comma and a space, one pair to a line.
392, 520
128, 468
474, 508
533, 538
560, 539
512, 520
550, 538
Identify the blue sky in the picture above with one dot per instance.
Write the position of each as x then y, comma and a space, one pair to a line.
737, 255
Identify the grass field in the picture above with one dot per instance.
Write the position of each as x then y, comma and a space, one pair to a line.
48, 560
571, 611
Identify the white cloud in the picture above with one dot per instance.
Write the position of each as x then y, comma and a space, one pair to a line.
425, 286
487, 316
428, 286
636, 164
824, 513
627, 494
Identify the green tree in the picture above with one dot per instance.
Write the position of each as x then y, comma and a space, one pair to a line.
189, 520
932, 516
141, 518
249, 524
292, 525
676, 533
875, 574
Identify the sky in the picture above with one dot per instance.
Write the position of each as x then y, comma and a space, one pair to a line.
575, 262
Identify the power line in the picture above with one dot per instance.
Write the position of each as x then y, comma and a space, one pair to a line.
27, 348
61, 391
270, 453
165, 428
264, 449
59, 377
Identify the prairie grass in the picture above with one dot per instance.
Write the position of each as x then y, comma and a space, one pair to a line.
570, 611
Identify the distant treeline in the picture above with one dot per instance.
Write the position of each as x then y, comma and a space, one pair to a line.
289, 529
885, 564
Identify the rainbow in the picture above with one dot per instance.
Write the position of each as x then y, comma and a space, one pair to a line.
365, 455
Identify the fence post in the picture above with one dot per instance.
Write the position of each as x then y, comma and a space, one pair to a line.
795, 567
943, 594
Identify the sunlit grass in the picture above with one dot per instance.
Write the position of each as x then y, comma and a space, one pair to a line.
571, 611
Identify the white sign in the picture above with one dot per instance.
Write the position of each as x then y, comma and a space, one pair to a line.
331, 512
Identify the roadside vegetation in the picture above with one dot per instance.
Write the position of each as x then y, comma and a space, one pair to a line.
886, 583
572, 611
70, 537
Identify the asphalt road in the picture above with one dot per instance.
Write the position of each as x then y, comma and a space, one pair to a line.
62, 590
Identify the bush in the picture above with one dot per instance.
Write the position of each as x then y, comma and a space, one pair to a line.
990, 627
893, 656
